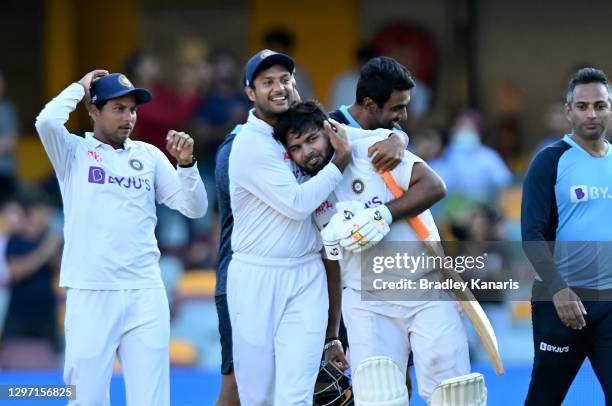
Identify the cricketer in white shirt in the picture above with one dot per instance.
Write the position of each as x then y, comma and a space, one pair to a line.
429, 323
276, 286
115, 302
109, 201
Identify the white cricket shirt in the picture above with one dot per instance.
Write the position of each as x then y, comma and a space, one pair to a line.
109, 201
361, 183
271, 203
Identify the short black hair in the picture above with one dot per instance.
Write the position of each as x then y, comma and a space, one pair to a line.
380, 77
100, 104
298, 119
584, 76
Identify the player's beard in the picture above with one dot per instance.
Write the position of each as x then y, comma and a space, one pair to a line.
323, 159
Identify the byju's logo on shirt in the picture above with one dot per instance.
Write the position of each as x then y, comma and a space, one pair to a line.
584, 193
96, 175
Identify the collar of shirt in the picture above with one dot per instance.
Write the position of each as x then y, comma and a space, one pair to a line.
95, 143
259, 123
568, 138
349, 117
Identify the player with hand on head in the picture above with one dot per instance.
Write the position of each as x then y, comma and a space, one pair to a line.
116, 303
431, 327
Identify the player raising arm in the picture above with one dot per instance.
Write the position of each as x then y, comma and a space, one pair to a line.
116, 302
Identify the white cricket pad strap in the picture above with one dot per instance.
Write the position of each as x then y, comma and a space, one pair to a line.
379, 381
464, 390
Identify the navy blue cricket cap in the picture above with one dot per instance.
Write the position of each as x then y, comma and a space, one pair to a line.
116, 85
263, 60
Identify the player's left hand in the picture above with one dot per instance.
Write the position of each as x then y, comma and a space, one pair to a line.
366, 229
570, 309
335, 354
180, 146
387, 154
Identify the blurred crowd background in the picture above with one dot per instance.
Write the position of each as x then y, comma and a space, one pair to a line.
491, 77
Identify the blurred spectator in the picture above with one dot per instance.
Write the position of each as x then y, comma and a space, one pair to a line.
413, 46
506, 135
479, 231
482, 224
11, 217
473, 172
428, 144
169, 109
33, 259
344, 85
9, 131
556, 124
282, 40
221, 108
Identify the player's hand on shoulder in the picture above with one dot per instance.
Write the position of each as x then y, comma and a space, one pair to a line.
88, 79
387, 154
180, 146
339, 140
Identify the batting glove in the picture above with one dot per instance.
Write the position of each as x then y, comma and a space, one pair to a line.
366, 229
336, 229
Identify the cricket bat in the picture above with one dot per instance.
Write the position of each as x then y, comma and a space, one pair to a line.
466, 298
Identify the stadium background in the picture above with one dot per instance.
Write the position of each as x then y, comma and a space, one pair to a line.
508, 61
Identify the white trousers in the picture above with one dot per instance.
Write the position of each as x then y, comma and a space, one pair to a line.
135, 325
433, 330
278, 310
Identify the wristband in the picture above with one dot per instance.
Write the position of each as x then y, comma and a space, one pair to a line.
193, 162
331, 344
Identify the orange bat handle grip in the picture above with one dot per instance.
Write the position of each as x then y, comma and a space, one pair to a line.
418, 225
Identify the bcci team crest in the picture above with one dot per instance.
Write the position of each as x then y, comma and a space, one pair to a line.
266, 53
136, 164
357, 186
123, 81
